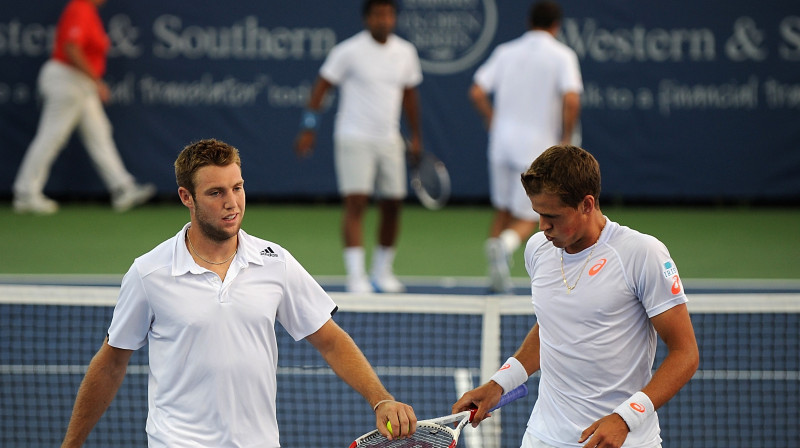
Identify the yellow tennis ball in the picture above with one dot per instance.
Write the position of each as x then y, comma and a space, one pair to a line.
389, 427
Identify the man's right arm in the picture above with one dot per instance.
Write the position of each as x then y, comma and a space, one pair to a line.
487, 395
304, 142
101, 383
570, 111
482, 103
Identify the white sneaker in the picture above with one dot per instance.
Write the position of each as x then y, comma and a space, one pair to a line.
499, 270
359, 285
388, 283
132, 196
36, 204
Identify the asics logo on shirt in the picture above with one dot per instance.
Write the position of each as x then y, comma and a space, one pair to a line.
596, 268
676, 285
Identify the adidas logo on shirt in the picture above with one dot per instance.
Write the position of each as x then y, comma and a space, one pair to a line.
268, 252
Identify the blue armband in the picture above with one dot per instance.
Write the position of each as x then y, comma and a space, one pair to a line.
309, 121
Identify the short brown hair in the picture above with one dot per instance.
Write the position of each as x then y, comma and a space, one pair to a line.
203, 153
570, 172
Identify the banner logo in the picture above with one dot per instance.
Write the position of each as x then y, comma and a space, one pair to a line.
450, 35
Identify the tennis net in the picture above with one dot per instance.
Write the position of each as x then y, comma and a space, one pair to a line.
428, 349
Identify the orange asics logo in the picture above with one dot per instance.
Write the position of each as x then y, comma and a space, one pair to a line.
505, 366
638, 408
676, 285
596, 268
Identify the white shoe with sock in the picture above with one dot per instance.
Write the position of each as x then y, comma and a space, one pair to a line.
357, 280
383, 279
37, 204
499, 269
359, 285
129, 197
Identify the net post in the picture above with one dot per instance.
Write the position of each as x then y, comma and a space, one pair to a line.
490, 361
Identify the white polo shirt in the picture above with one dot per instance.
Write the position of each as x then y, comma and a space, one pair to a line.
371, 78
597, 344
213, 350
528, 77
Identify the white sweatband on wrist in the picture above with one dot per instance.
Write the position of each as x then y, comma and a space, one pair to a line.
636, 410
510, 375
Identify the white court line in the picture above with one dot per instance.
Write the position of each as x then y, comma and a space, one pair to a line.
428, 303
463, 382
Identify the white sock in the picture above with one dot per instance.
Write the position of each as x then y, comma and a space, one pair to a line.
354, 261
510, 240
382, 260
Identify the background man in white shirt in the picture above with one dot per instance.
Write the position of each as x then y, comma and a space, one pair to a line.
206, 302
602, 294
528, 93
377, 73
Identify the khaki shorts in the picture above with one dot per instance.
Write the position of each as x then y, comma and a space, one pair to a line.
370, 167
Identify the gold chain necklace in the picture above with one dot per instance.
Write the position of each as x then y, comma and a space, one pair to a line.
207, 261
564, 276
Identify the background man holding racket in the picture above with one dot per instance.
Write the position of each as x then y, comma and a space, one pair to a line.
377, 73
206, 301
535, 84
602, 292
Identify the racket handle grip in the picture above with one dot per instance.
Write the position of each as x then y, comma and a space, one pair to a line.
515, 394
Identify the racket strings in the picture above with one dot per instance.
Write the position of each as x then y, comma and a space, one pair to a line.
430, 178
426, 436
431, 181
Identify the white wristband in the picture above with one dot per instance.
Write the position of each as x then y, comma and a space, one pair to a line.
510, 375
636, 410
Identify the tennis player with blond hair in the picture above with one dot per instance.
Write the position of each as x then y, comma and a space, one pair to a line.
602, 293
206, 301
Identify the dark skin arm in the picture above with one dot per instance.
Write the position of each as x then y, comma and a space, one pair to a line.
304, 143
481, 102
412, 114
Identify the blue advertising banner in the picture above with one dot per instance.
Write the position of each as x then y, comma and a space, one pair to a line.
683, 101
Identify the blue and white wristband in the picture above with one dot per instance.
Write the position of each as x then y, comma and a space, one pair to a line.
511, 375
309, 121
636, 409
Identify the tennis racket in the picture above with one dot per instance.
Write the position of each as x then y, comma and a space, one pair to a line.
434, 433
430, 180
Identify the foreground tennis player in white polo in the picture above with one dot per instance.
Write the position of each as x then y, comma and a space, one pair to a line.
601, 292
206, 301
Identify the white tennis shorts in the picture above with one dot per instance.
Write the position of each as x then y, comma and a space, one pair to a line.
507, 193
529, 441
371, 167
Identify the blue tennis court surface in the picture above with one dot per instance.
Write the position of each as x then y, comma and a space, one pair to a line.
745, 394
